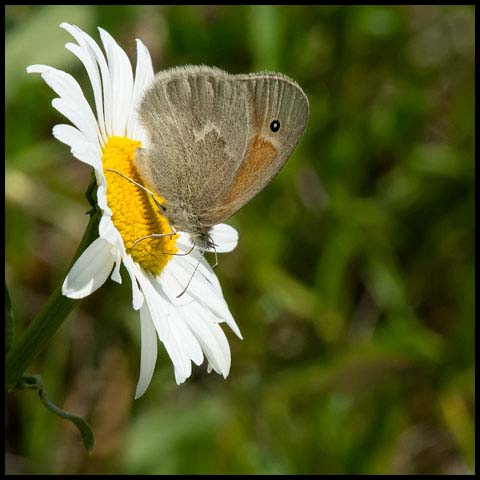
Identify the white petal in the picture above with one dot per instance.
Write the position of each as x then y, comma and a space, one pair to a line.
170, 338
201, 325
101, 182
72, 102
121, 77
143, 78
78, 116
84, 38
225, 238
225, 347
199, 288
87, 58
194, 349
116, 277
81, 148
179, 376
102, 200
110, 234
157, 305
37, 68
230, 321
90, 270
178, 353
204, 270
181, 345
148, 351
133, 272
107, 230
178, 326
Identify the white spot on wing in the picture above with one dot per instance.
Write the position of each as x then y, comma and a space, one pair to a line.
207, 128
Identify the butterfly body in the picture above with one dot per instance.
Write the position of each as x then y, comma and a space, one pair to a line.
215, 140
184, 219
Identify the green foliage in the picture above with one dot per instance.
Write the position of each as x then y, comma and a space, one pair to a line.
9, 321
353, 281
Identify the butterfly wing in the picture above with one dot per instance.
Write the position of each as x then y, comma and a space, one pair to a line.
197, 123
273, 98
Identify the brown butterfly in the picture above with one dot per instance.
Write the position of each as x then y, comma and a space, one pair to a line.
215, 141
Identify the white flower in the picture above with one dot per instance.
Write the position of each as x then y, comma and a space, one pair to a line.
188, 326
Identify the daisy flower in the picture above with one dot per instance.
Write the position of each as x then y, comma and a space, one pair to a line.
159, 268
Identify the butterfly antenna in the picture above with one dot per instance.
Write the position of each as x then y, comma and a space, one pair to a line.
157, 203
189, 281
216, 256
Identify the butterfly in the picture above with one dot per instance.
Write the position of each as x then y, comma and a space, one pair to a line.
215, 140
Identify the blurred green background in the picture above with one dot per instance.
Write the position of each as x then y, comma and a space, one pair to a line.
353, 282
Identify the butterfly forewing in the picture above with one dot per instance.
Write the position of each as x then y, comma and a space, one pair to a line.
195, 118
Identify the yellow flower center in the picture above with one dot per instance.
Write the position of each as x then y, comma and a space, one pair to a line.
134, 212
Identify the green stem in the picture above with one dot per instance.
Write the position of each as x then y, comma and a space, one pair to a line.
45, 325
35, 382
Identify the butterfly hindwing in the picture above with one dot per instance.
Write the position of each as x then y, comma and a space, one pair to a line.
273, 98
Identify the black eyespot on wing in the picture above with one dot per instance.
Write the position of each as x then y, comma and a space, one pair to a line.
275, 126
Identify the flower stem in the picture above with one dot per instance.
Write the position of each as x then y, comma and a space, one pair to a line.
44, 326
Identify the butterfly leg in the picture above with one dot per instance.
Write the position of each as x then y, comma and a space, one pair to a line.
157, 203
153, 235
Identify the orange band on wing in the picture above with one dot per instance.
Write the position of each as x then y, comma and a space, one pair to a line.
256, 170
259, 159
